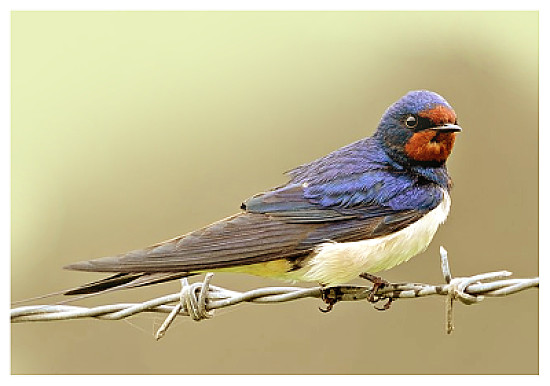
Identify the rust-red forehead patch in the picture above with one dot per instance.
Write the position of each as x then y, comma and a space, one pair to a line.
439, 115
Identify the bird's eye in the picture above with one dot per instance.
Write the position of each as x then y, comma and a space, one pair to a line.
411, 121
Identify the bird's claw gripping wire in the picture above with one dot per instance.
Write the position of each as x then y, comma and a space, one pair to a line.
386, 306
330, 305
330, 295
377, 284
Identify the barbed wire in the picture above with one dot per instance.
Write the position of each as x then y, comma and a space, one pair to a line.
199, 300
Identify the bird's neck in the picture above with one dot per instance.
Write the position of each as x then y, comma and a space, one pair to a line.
437, 175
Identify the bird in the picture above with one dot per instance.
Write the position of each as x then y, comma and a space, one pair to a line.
362, 209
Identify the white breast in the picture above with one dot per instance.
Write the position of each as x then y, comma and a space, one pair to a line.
337, 263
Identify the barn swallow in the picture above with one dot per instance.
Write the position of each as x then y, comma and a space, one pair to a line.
366, 207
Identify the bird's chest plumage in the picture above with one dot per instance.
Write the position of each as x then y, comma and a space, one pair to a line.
337, 263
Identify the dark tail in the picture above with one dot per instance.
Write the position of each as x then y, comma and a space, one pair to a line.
126, 280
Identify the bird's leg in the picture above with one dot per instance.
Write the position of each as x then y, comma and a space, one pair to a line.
377, 283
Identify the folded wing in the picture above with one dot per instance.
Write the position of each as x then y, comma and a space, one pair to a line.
274, 225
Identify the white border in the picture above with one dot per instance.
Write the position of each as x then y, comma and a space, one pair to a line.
267, 5
280, 5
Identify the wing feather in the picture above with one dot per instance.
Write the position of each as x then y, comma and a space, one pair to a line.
238, 241
282, 223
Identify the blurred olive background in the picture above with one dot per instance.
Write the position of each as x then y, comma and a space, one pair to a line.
129, 128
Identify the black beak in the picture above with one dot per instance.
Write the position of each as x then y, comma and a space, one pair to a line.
448, 128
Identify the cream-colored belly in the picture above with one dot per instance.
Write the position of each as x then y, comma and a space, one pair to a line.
337, 263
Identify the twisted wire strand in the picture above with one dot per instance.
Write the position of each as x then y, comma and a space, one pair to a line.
199, 300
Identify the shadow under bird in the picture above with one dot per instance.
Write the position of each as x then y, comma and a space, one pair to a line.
366, 207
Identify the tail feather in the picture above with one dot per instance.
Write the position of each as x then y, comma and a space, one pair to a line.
126, 280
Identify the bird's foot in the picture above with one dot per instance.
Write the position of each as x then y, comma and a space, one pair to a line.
329, 296
330, 305
377, 284
386, 306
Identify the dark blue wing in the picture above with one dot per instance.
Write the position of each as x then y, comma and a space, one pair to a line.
373, 194
289, 204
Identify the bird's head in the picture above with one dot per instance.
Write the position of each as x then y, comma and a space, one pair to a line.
418, 130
